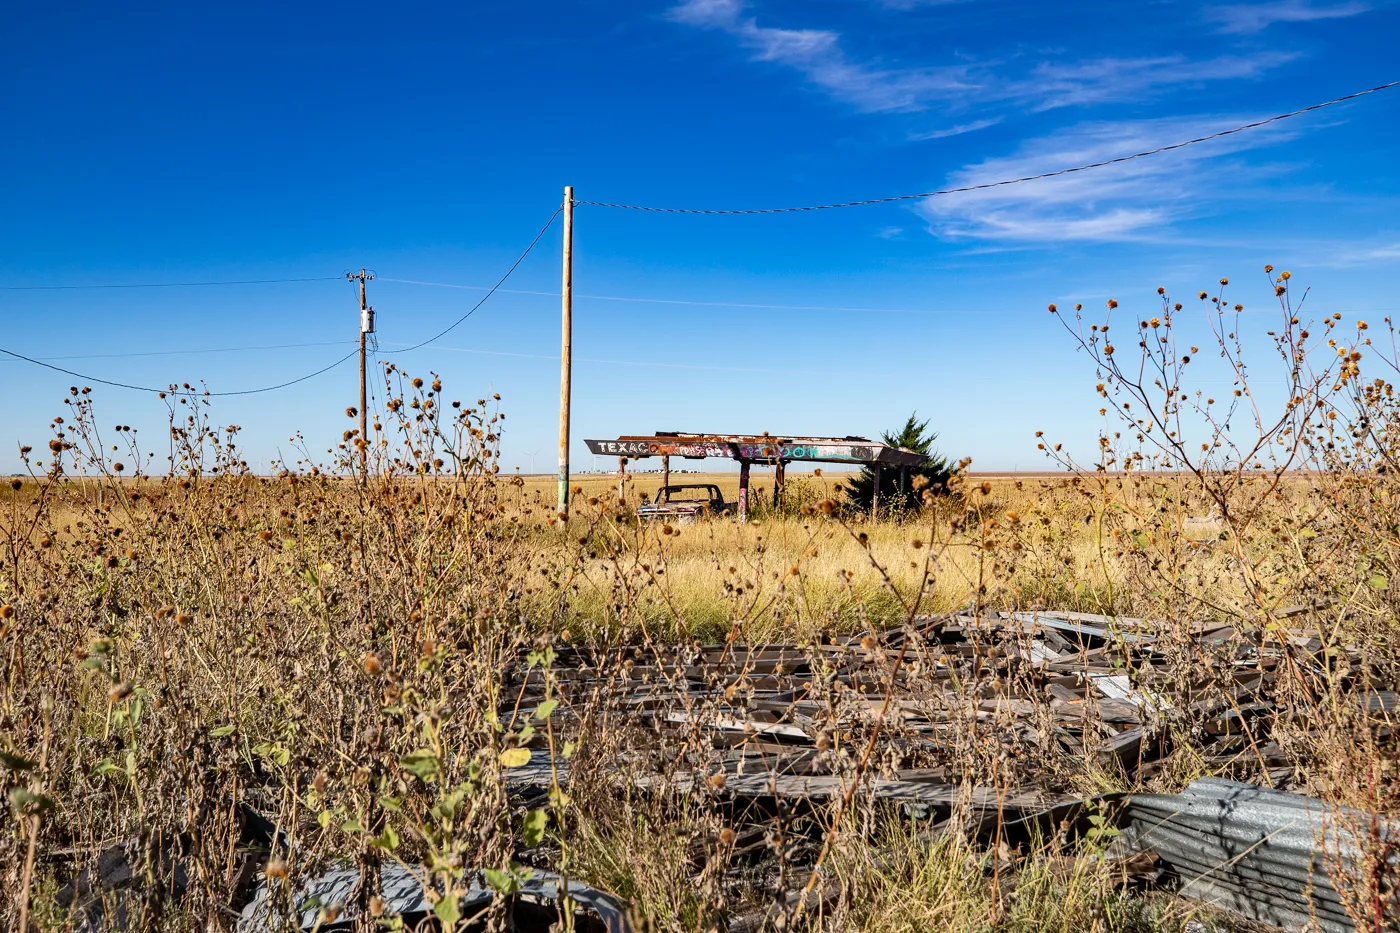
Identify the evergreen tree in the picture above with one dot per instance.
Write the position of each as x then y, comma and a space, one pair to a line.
913, 436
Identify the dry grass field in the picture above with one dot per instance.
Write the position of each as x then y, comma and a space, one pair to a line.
187, 654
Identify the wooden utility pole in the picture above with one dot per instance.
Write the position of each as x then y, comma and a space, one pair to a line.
566, 357
366, 328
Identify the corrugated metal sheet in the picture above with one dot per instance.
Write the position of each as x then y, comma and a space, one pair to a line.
404, 895
1263, 853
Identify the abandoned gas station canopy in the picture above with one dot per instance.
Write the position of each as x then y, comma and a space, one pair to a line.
764, 448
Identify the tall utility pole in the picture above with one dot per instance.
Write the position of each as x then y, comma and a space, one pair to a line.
366, 328
567, 352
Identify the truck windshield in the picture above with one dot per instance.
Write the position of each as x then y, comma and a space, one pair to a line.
688, 494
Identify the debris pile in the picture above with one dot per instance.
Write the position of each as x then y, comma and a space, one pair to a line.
983, 725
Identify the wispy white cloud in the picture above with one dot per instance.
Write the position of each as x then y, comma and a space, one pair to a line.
1139, 199
1254, 17
819, 56
1351, 255
1055, 84
956, 130
889, 233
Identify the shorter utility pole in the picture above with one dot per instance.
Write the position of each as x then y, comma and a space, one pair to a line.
366, 328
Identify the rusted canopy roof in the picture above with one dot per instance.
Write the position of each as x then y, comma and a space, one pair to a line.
764, 448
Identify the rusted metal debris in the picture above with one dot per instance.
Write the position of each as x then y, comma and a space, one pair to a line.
1268, 855
402, 890
783, 726
758, 731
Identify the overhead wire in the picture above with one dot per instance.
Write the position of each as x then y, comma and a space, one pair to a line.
41, 288
671, 301
1007, 181
193, 351
778, 307
291, 382
139, 388
494, 288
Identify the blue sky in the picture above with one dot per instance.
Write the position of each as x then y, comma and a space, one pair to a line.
429, 142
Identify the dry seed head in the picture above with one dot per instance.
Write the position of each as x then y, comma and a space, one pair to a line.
120, 691
1285, 275
376, 906
16, 484
726, 837
276, 868
718, 780
372, 665
7, 611
1112, 303
1053, 309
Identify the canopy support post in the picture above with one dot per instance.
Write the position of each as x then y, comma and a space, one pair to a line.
743, 491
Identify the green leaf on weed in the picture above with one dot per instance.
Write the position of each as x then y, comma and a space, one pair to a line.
28, 802
222, 731
533, 827
273, 752
388, 840
544, 709
1377, 582
352, 825
448, 912
422, 763
16, 762
502, 882
515, 757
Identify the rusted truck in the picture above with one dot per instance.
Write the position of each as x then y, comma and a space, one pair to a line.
687, 502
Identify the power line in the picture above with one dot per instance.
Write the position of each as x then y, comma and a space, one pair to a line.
41, 288
138, 388
776, 307
291, 382
1007, 181
494, 288
674, 301
193, 351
